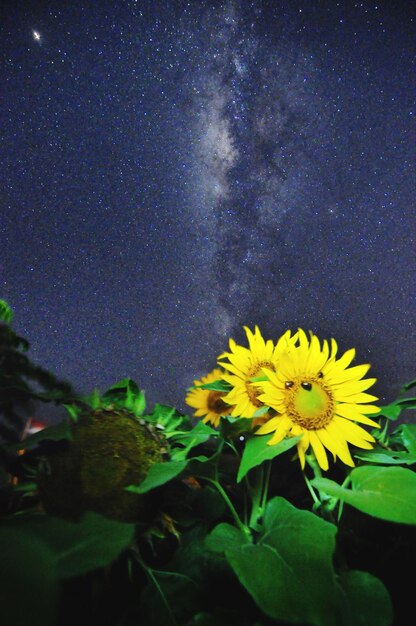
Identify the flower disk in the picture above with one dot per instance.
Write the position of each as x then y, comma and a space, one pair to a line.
208, 403
244, 364
320, 398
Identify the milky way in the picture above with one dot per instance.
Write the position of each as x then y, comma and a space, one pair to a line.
174, 172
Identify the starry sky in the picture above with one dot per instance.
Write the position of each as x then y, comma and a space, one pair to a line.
172, 171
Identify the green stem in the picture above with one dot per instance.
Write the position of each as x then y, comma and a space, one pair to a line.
230, 505
152, 577
258, 495
266, 485
311, 491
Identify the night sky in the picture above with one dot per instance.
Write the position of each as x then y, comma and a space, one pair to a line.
172, 171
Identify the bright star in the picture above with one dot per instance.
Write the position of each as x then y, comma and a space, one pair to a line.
36, 35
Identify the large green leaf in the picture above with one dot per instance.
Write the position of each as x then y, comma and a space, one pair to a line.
289, 573
257, 450
74, 548
366, 600
225, 537
385, 492
28, 580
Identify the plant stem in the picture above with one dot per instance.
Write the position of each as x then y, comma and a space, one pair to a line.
258, 495
152, 577
230, 505
313, 494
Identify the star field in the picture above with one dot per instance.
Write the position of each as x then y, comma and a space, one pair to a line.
172, 171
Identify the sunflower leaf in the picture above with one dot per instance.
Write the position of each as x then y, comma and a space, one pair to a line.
388, 493
406, 387
159, 474
191, 438
126, 394
386, 457
408, 436
74, 548
365, 596
169, 419
391, 411
233, 427
257, 450
292, 560
225, 537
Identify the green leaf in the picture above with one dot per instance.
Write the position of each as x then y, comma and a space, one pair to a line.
126, 394
406, 387
57, 432
76, 547
159, 474
261, 411
407, 403
257, 450
216, 385
388, 493
289, 573
367, 601
408, 437
169, 599
93, 400
28, 579
169, 419
195, 437
225, 537
386, 457
233, 427
391, 411
6, 314
74, 410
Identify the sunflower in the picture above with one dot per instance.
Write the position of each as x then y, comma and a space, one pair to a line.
207, 402
320, 398
246, 363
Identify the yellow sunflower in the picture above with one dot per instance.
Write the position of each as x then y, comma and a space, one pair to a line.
319, 397
207, 402
244, 364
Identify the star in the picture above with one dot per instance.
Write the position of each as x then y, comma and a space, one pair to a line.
36, 35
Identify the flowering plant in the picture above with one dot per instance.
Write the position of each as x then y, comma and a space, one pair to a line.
288, 496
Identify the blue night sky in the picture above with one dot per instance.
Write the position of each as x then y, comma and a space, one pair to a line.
172, 171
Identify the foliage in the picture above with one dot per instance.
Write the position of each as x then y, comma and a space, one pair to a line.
233, 530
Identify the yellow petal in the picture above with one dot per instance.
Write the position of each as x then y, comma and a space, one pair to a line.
357, 372
353, 433
338, 441
318, 449
269, 426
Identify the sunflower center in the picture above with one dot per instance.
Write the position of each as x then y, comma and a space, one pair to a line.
252, 390
216, 404
309, 403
